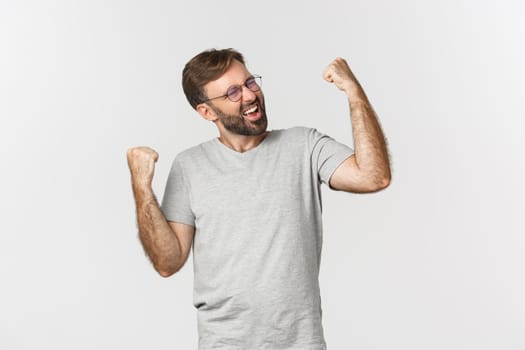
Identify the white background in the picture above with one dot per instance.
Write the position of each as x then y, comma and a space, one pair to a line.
436, 261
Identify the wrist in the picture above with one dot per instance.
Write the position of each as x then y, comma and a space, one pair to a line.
354, 92
141, 187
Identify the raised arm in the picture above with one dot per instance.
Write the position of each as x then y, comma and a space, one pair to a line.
167, 244
368, 170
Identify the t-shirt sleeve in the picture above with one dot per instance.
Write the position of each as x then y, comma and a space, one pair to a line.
327, 154
176, 204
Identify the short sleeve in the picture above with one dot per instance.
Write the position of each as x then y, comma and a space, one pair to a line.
327, 154
176, 204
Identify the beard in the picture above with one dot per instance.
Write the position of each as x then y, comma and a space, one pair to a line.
239, 125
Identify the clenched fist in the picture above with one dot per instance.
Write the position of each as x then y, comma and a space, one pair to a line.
339, 73
141, 162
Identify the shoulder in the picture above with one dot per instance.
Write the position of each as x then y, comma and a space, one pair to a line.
299, 133
297, 130
299, 138
304, 131
191, 155
306, 135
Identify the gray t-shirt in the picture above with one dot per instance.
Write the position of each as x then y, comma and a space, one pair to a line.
258, 237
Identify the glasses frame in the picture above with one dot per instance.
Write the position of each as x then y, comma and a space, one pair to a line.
258, 82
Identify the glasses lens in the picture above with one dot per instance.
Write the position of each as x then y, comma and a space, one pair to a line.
254, 84
234, 93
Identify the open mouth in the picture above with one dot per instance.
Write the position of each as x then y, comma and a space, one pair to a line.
251, 112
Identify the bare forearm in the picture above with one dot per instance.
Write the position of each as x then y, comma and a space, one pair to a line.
158, 239
369, 169
369, 142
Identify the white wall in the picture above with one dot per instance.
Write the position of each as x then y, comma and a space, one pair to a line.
434, 262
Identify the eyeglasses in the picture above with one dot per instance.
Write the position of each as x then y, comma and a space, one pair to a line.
234, 92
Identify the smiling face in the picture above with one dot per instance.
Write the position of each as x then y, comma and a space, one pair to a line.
245, 117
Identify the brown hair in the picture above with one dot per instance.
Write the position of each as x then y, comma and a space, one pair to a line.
207, 66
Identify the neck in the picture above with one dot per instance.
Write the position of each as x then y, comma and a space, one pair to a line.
241, 143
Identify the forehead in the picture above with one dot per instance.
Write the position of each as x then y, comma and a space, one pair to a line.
235, 75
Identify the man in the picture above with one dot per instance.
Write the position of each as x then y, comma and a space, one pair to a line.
250, 201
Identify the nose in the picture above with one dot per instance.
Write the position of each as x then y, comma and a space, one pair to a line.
247, 94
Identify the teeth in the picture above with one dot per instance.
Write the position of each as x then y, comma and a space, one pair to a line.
251, 110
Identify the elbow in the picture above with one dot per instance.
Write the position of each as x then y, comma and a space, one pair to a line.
384, 183
381, 179
166, 273
378, 184
373, 180
166, 270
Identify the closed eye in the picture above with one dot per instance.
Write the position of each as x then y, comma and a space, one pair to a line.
234, 91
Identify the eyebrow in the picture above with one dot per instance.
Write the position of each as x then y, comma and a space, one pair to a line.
237, 85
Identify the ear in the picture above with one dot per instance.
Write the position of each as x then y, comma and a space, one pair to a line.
206, 112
